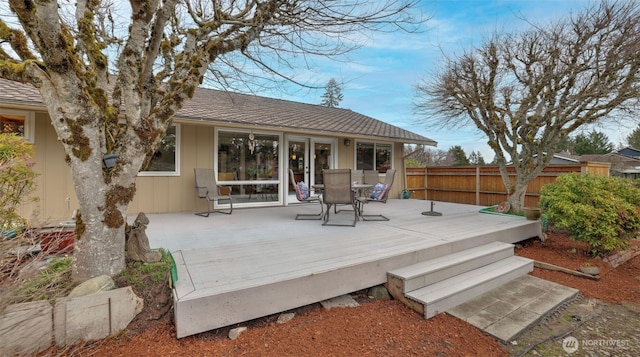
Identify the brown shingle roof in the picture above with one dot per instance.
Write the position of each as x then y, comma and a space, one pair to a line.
16, 92
250, 110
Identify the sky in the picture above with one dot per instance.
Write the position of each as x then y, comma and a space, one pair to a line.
379, 78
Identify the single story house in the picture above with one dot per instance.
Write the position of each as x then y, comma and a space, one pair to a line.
623, 162
251, 141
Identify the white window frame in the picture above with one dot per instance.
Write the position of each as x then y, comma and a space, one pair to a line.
29, 122
176, 172
281, 181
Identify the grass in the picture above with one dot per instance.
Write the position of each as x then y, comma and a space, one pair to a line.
136, 272
52, 282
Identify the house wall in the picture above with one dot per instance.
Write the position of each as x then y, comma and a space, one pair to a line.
55, 191
154, 194
346, 159
398, 164
177, 193
346, 154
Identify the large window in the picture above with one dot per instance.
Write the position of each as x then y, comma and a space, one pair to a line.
17, 121
373, 156
251, 160
166, 160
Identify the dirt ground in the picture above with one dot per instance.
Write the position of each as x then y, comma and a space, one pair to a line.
604, 320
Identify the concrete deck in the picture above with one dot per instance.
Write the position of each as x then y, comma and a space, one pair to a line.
257, 262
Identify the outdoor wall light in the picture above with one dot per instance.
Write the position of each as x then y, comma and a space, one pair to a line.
110, 160
347, 142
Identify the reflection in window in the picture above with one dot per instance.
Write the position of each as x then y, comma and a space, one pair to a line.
248, 156
165, 159
17, 122
373, 156
253, 157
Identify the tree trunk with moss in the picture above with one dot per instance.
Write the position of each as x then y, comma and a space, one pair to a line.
124, 107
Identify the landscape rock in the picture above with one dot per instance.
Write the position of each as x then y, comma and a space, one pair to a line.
620, 258
339, 301
284, 318
31, 319
379, 293
94, 285
236, 332
590, 270
94, 316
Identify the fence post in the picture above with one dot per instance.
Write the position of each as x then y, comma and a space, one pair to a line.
477, 185
426, 186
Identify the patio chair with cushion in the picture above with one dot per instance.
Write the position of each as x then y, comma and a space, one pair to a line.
380, 194
371, 177
337, 191
207, 188
304, 194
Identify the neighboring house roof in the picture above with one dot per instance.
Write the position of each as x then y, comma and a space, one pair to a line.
629, 151
564, 158
619, 162
249, 110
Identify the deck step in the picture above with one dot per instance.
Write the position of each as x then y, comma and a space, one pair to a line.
428, 272
445, 294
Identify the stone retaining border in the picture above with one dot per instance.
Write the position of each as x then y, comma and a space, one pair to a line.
622, 257
29, 328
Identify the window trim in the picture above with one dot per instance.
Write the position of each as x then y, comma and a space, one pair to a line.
176, 172
29, 122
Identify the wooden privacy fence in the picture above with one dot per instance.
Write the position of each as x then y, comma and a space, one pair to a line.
482, 185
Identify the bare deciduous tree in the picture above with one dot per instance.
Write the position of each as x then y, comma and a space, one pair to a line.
161, 51
422, 156
527, 92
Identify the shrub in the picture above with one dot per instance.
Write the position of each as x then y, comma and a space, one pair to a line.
17, 180
602, 211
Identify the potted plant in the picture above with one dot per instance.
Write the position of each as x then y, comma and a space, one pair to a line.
532, 213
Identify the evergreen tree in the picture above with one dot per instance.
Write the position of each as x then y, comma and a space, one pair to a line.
594, 142
332, 95
458, 156
567, 145
475, 158
633, 139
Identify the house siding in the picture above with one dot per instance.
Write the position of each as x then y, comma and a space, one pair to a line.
154, 194
54, 187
